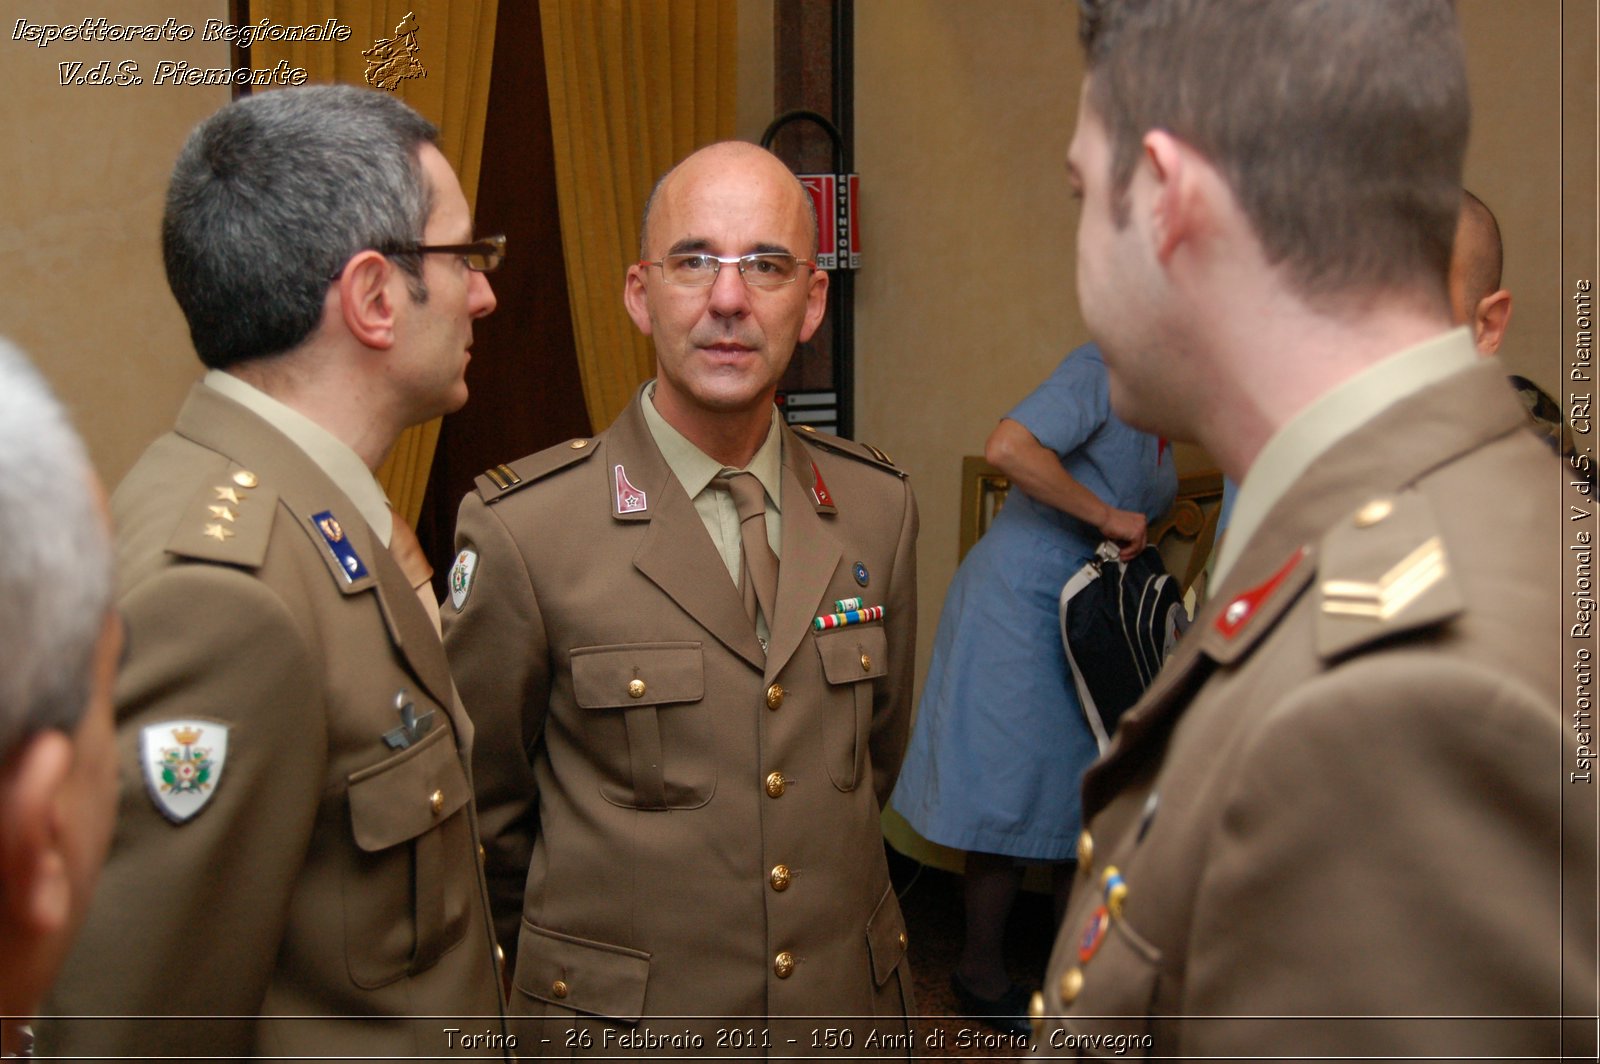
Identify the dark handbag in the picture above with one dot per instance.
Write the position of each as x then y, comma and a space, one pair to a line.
1119, 621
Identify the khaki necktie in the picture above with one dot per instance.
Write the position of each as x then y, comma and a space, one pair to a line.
407, 551
759, 578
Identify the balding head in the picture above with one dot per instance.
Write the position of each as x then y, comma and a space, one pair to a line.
1476, 298
723, 153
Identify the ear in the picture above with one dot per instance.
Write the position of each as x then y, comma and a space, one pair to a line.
1489, 321
634, 297
1175, 198
816, 303
37, 892
367, 299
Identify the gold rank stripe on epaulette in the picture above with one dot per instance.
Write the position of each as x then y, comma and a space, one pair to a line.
1393, 591
507, 477
228, 520
863, 452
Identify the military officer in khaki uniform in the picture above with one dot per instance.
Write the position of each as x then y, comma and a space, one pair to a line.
681, 770
1332, 827
296, 846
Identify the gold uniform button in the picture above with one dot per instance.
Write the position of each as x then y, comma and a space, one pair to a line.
776, 785
578, 445
1071, 985
1085, 850
436, 802
779, 878
783, 964
499, 956
1373, 512
558, 988
866, 662
775, 696
904, 941
482, 855
635, 688
245, 479
1036, 1015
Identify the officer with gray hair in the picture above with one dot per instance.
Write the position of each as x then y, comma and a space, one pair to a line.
59, 644
295, 870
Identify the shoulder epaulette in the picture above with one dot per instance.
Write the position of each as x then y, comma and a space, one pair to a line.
861, 452
1383, 570
499, 481
228, 520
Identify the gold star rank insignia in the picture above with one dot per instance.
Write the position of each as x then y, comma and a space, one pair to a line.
217, 532
221, 513
225, 493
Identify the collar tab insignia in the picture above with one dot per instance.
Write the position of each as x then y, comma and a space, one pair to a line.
630, 500
350, 563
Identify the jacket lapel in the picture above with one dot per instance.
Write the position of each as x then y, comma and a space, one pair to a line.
809, 558
676, 553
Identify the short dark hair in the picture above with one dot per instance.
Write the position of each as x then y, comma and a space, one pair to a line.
272, 195
1482, 260
1340, 125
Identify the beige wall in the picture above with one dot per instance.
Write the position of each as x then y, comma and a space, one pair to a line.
84, 174
963, 115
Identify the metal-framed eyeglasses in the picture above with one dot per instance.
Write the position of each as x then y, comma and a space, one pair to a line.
696, 269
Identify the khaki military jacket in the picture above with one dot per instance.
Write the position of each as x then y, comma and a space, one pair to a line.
331, 874
1332, 828
683, 831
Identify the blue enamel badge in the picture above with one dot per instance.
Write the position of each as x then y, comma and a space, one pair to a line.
333, 534
861, 574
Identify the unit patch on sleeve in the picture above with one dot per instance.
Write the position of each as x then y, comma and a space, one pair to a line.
183, 762
461, 577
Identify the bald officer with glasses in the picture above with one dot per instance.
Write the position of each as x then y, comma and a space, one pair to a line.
687, 644
296, 849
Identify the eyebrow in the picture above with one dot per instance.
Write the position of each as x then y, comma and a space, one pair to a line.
692, 244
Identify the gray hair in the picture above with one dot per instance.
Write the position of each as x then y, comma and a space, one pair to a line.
55, 570
272, 195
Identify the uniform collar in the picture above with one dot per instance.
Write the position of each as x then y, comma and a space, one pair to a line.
330, 454
1315, 430
695, 469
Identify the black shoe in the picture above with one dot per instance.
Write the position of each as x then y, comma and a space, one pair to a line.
1007, 1013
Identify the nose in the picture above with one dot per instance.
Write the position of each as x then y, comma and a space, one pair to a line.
481, 299
730, 298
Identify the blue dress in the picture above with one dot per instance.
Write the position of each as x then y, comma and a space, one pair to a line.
1000, 744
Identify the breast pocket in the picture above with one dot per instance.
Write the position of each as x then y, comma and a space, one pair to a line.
657, 692
406, 898
854, 658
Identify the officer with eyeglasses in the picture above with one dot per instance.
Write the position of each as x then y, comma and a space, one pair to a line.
687, 647
295, 868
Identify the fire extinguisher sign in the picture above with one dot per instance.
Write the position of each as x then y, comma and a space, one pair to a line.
833, 196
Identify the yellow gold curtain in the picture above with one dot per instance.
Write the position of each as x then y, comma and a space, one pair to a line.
449, 47
634, 86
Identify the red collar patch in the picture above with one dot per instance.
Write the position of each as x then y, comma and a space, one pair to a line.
819, 490
1244, 605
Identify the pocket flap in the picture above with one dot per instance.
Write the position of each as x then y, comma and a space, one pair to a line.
886, 937
580, 974
408, 794
855, 652
637, 674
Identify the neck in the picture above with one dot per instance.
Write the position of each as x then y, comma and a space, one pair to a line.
325, 389
730, 437
1278, 356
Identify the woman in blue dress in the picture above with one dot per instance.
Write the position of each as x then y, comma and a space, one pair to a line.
1000, 743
